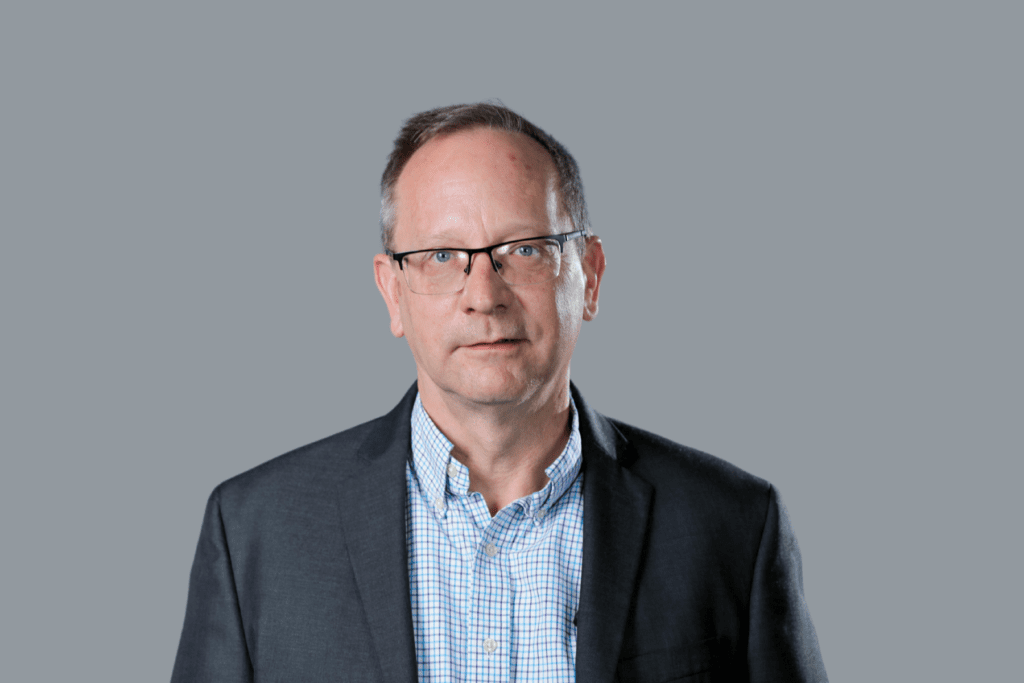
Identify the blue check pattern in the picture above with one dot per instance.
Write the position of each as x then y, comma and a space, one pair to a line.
493, 599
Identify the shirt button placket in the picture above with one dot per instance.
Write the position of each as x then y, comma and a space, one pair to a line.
493, 664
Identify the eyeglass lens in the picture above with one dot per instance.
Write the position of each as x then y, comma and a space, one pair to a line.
445, 271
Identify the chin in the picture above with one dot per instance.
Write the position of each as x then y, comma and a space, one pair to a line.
487, 389
494, 396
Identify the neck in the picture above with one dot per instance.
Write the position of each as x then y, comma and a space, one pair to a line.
506, 447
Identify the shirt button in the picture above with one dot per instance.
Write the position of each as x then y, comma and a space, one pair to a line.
491, 551
453, 469
540, 513
490, 645
439, 503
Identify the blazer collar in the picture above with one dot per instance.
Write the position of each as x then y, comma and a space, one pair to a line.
616, 505
372, 506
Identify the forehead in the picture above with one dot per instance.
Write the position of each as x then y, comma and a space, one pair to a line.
476, 180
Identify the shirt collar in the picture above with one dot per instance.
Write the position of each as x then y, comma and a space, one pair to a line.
440, 475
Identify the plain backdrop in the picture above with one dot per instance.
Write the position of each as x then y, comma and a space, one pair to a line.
812, 215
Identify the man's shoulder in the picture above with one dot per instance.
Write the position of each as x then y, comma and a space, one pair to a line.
657, 453
687, 475
305, 471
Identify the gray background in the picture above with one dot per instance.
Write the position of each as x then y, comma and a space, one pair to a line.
812, 216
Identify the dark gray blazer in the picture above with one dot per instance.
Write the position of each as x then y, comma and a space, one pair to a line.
690, 568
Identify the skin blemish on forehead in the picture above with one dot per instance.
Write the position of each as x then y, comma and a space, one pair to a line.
513, 158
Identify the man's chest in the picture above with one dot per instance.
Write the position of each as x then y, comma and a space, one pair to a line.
494, 599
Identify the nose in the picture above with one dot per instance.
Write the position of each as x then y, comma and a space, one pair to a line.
484, 291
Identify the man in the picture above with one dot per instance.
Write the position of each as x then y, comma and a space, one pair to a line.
493, 527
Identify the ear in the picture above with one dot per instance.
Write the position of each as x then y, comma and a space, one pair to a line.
593, 268
389, 286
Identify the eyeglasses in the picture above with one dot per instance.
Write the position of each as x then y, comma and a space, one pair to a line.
444, 270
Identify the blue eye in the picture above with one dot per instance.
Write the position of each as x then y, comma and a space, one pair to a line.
525, 250
442, 256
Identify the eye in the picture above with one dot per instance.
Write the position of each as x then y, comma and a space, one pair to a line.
526, 250
441, 256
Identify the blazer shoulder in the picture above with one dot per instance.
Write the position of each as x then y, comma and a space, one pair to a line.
329, 459
671, 466
699, 501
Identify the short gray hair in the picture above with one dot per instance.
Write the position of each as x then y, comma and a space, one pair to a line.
423, 127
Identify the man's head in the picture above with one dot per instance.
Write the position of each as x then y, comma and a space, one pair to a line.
425, 126
489, 342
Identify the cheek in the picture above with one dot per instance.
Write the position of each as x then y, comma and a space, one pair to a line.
416, 329
425, 335
569, 304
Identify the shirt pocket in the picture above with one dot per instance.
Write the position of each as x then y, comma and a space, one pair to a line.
700, 662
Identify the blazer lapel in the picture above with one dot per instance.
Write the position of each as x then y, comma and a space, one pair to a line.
615, 512
616, 504
372, 506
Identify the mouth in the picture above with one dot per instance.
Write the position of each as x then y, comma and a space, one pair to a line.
496, 344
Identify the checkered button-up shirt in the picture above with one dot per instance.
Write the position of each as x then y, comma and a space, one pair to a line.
493, 598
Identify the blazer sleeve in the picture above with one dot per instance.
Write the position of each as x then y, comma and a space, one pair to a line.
782, 644
212, 646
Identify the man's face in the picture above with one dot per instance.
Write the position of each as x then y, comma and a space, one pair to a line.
473, 189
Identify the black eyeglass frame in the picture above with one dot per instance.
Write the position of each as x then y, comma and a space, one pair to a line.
561, 238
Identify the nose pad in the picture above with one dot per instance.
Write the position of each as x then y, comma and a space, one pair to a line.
494, 264
484, 289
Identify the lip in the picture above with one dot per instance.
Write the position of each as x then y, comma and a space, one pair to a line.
497, 344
